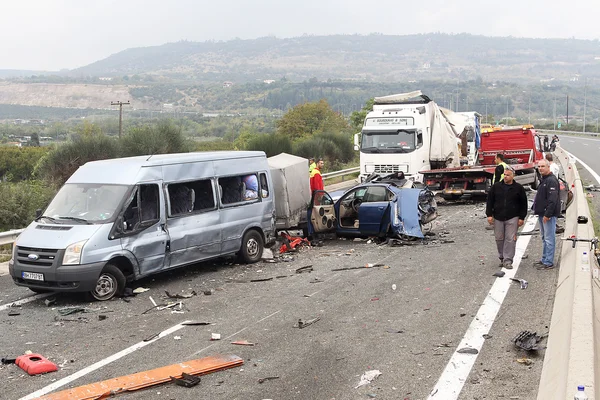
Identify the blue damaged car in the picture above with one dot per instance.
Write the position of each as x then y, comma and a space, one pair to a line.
373, 209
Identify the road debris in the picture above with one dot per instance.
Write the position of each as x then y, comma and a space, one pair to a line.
151, 337
523, 282
145, 379
13, 313
304, 323
524, 360
50, 302
378, 265
527, 340
102, 317
308, 268
208, 292
180, 296
6, 361
243, 343
261, 279
315, 280
195, 323
215, 336
499, 274
267, 378
71, 310
368, 377
394, 331
186, 380
140, 290
468, 350
35, 364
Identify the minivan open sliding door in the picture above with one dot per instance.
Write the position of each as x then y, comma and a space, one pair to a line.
143, 231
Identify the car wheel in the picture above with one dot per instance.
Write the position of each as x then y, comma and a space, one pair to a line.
110, 283
252, 247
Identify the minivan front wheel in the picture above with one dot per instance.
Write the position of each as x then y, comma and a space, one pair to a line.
110, 283
252, 247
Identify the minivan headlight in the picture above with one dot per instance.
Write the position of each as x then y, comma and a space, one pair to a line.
73, 253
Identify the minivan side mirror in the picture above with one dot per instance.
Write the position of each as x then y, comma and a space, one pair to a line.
38, 213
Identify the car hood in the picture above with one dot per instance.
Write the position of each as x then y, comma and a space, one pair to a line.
55, 236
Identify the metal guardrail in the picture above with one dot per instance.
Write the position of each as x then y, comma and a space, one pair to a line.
10, 236
341, 173
567, 132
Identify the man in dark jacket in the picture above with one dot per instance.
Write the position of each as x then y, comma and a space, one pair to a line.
506, 210
547, 207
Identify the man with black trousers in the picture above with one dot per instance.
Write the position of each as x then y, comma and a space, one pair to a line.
546, 206
506, 210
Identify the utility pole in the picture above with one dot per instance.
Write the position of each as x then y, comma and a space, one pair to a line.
567, 110
584, 103
555, 112
120, 104
529, 108
506, 109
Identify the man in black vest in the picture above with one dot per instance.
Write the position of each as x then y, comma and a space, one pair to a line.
506, 210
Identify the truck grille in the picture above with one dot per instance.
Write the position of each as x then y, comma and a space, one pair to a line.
386, 169
39, 257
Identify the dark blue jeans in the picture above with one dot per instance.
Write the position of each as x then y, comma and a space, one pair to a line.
548, 233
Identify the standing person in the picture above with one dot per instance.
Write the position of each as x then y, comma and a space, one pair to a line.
316, 179
506, 210
554, 168
500, 168
311, 164
546, 206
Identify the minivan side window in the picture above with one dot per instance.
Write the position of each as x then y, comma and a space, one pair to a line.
189, 197
144, 208
236, 189
264, 187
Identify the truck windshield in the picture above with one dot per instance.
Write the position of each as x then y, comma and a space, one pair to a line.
393, 141
85, 203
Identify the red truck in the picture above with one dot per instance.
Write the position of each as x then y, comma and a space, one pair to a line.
522, 148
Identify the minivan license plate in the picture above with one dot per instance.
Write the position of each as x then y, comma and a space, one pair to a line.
33, 276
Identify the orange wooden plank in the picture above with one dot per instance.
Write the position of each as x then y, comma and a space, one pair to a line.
140, 380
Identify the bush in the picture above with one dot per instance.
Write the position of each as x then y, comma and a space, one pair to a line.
18, 163
163, 138
60, 163
335, 148
213, 145
19, 202
271, 144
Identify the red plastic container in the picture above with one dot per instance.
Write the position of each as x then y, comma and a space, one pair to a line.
35, 364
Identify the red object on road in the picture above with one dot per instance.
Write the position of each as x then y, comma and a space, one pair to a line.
35, 364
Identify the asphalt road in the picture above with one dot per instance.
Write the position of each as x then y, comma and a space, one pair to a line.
405, 321
584, 148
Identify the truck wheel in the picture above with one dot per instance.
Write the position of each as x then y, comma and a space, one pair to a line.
110, 283
536, 181
252, 247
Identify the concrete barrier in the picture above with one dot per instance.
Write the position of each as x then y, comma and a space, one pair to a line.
571, 354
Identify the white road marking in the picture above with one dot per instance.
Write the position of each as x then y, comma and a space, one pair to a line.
585, 144
68, 379
452, 380
590, 170
25, 300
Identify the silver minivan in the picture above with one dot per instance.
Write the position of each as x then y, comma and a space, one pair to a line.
118, 220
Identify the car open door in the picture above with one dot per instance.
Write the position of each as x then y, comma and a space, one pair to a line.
321, 215
373, 212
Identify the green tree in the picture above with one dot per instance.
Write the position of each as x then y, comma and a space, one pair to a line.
165, 137
308, 119
271, 144
19, 202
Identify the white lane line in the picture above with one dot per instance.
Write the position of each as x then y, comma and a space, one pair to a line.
590, 170
451, 382
25, 300
100, 364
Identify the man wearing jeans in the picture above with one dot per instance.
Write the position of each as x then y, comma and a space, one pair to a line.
547, 207
506, 209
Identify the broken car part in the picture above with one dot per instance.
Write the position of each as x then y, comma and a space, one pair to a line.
186, 380
35, 364
527, 340
304, 323
146, 379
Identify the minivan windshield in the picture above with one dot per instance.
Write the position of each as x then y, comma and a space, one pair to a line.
85, 203
392, 141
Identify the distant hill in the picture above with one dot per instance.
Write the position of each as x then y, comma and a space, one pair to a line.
355, 57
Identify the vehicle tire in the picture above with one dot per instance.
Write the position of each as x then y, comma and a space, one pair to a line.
110, 283
536, 181
40, 291
252, 247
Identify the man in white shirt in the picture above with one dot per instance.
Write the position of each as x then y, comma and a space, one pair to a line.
554, 167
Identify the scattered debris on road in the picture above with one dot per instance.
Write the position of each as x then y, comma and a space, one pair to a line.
180, 296
215, 336
499, 274
35, 364
243, 343
308, 268
523, 282
304, 323
195, 323
524, 360
13, 313
368, 377
368, 265
50, 302
527, 340
267, 378
186, 380
468, 350
140, 290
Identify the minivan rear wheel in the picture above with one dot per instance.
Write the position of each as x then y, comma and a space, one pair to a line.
252, 247
110, 283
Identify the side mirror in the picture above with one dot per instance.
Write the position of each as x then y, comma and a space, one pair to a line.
356, 141
38, 213
356, 147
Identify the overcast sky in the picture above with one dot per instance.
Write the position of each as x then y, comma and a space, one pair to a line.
56, 34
